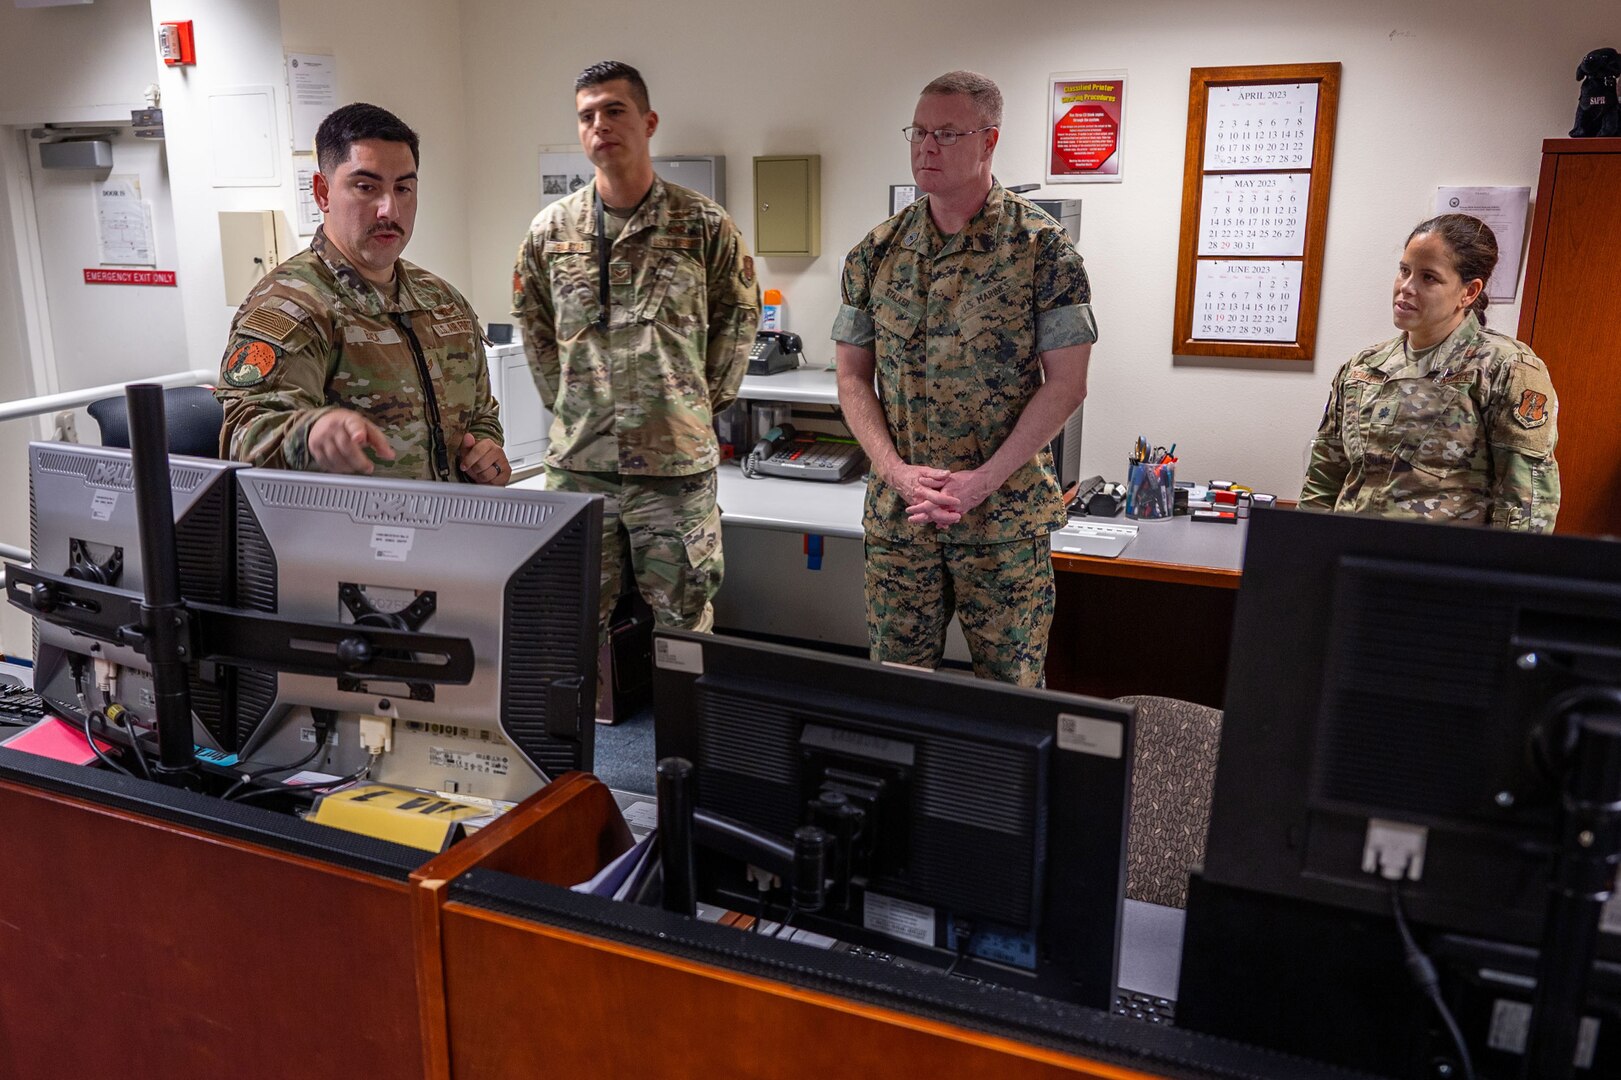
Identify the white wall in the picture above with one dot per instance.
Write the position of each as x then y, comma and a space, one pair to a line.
57, 65
1430, 95
238, 45
407, 57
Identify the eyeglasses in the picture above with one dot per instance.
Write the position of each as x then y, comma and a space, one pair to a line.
943, 136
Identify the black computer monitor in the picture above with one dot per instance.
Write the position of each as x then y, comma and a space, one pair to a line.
514, 571
993, 818
83, 524
1398, 702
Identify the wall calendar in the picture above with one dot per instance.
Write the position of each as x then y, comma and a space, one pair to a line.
1254, 209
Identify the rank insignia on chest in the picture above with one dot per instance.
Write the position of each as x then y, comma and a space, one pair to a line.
1532, 411
250, 363
619, 273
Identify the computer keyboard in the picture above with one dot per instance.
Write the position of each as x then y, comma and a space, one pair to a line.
19, 705
1128, 1003
1155, 1010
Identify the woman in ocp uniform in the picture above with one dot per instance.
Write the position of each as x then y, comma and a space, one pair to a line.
1448, 421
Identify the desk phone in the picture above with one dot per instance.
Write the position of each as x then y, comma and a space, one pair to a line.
785, 452
773, 352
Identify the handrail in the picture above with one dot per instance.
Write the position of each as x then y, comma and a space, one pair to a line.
72, 399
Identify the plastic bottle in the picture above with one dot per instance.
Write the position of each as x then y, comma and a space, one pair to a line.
771, 313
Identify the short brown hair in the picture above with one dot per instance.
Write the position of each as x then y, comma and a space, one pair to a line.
977, 88
605, 71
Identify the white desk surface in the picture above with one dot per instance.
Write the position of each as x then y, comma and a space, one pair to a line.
772, 502
815, 384
835, 510
1181, 541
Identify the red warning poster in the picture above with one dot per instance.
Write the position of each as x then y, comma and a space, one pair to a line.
1085, 126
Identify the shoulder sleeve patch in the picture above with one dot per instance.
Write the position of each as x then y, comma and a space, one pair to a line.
1531, 410
269, 324
251, 363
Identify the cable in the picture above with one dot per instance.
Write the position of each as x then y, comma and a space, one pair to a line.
91, 739
323, 728
963, 933
134, 736
322, 788
249, 777
1427, 981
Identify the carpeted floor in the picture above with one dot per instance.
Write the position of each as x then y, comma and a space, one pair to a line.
624, 756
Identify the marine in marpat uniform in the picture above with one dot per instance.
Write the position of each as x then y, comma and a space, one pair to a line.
1449, 421
973, 310
347, 358
638, 303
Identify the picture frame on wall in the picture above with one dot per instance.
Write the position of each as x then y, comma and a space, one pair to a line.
1086, 125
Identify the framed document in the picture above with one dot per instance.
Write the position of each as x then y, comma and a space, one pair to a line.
1255, 184
1086, 124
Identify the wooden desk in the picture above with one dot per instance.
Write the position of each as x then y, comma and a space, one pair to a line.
153, 933
1156, 620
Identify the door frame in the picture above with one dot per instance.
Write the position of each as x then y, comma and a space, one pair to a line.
28, 255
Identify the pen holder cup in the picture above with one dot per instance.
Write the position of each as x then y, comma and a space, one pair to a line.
1151, 490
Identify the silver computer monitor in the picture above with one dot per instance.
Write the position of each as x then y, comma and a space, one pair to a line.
83, 524
513, 571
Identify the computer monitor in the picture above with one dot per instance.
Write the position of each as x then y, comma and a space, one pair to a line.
993, 818
514, 571
83, 524
1395, 705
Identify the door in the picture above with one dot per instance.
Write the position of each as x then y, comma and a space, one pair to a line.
108, 333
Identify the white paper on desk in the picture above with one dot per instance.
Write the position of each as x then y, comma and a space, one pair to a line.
1505, 210
608, 880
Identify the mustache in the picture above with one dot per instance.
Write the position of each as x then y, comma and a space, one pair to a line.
379, 230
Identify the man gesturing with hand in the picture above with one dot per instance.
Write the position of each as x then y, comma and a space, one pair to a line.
348, 359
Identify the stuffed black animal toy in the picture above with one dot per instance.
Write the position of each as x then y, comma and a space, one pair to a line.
1598, 112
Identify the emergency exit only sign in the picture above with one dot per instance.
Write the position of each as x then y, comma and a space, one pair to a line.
103, 276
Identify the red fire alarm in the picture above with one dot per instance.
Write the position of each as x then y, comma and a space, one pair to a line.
175, 43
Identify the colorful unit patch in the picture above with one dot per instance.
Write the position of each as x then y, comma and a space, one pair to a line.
251, 363
1532, 411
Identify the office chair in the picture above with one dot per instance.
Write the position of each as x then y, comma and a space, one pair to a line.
1173, 775
192, 414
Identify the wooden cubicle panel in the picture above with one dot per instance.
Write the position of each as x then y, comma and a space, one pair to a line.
134, 947
1568, 317
575, 1005
562, 834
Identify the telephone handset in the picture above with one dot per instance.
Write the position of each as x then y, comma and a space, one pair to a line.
774, 351
784, 452
775, 439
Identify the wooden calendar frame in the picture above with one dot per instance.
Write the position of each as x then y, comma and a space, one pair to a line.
1327, 78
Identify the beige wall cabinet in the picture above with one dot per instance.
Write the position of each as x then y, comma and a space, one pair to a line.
788, 205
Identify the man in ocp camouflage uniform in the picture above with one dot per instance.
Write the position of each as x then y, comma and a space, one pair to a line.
638, 303
973, 310
348, 359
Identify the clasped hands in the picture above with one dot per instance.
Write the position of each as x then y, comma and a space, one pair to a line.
338, 441
938, 495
